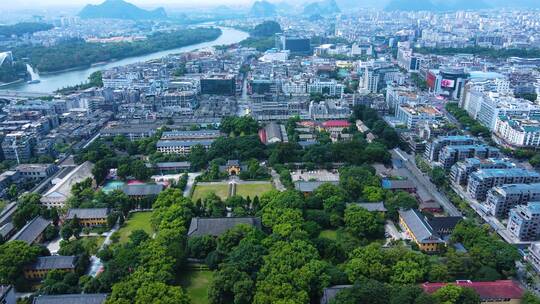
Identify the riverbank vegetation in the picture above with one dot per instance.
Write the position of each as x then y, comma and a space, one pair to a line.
94, 80
78, 53
12, 72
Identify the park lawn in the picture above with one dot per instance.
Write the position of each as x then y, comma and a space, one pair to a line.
136, 221
252, 190
328, 234
201, 191
196, 283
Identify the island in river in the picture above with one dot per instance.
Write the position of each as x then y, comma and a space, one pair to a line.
78, 53
51, 82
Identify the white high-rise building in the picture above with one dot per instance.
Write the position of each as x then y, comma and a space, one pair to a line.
518, 132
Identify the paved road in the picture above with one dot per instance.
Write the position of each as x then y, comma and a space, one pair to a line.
277, 182
54, 245
420, 179
191, 181
243, 102
95, 263
88, 143
493, 221
392, 231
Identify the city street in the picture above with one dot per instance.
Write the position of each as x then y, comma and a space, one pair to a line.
422, 182
494, 222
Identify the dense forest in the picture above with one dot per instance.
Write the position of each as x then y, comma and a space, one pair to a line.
9, 73
23, 28
78, 53
260, 44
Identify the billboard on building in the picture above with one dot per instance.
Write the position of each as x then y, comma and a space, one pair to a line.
448, 83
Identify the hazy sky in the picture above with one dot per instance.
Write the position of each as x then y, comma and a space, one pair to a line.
33, 4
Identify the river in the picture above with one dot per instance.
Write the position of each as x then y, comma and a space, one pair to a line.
53, 81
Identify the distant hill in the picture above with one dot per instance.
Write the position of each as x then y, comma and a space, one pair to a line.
266, 29
346, 5
436, 5
120, 9
263, 9
285, 7
326, 7
410, 5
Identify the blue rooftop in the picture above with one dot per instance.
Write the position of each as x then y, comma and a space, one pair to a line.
485, 75
486, 173
468, 147
455, 137
534, 207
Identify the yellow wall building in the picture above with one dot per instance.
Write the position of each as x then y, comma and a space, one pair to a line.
420, 232
90, 217
43, 265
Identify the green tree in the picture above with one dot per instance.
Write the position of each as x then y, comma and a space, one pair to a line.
291, 272
373, 194
399, 200
13, 191
438, 273
66, 232
28, 207
377, 152
331, 197
362, 223
14, 256
407, 272
354, 179
157, 292
198, 157
530, 298
239, 126
365, 291
229, 285
60, 282
452, 294
138, 237
535, 160
213, 205
200, 247
100, 171
438, 176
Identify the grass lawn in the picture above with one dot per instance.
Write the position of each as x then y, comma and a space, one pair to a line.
253, 190
136, 221
196, 283
328, 234
221, 190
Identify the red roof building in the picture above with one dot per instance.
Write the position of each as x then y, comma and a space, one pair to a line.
307, 124
336, 124
262, 135
501, 291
